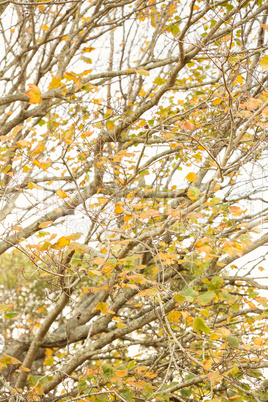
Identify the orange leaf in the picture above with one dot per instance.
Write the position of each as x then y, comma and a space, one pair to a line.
187, 125
24, 368
45, 224
215, 376
236, 211
34, 94
102, 200
265, 112
207, 365
10, 359
205, 249
121, 373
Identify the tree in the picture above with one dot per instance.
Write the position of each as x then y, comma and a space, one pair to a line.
133, 200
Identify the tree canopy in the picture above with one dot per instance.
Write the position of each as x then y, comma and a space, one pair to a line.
133, 189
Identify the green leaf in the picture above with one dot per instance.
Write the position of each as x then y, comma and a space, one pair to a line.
206, 297
199, 325
179, 299
233, 341
217, 282
186, 393
5, 307
193, 193
245, 239
100, 398
86, 59
127, 394
190, 294
215, 200
175, 30
10, 315
108, 370
144, 173
159, 81
227, 296
33, 380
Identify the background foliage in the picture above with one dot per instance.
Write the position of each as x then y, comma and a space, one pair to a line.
133, 200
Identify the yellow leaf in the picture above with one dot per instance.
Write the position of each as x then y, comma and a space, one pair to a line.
127, 218
191, 177
49, 361
259, 341
217, 101
55, 83
86, 134
174, 316
33, 185
103, 307
69, 76
49, 352
143, 72
118, 209
62, 242
110, 125
23, 143
61, 194
264, 63
45, 27
34, 94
